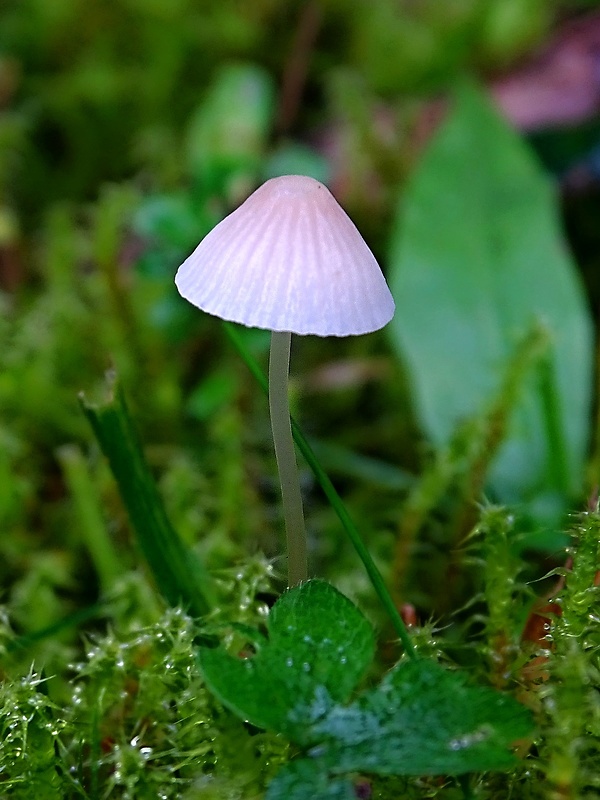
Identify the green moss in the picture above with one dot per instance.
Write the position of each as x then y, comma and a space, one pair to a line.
139, 722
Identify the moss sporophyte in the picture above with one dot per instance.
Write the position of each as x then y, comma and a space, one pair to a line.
288, 260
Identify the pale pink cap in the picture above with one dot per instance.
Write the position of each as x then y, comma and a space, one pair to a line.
289, 259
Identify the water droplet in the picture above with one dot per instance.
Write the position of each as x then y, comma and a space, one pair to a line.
289, 662
306, 666
343, 660
468, 740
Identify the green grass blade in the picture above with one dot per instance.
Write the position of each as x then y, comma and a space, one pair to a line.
333, 497
89, 515
178, 573
70, 621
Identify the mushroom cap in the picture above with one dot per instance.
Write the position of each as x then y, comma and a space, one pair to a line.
288, 259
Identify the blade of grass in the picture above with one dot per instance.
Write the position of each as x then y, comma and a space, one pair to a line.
179, 574
70, 621
344, 461
87, 509
334, 499
558, 457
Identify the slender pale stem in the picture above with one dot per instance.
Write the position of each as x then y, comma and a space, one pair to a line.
279, 365
336, 501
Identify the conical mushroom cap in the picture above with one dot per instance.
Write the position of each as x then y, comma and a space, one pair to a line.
288, 259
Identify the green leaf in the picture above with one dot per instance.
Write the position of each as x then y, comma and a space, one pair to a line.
477, 261
305, 779
179, 574
319, 648
422, 720
227, 134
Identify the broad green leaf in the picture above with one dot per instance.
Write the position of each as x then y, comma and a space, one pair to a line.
422, 720
306, 779
477, 260
319, 647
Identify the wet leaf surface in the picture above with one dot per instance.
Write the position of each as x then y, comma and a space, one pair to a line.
422, 719
319, 648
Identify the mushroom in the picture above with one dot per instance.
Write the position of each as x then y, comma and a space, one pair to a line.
288, 260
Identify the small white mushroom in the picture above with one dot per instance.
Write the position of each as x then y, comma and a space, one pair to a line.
290, 260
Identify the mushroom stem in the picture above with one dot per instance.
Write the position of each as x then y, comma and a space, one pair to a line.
279, 365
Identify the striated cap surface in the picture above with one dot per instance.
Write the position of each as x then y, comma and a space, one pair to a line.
288, 259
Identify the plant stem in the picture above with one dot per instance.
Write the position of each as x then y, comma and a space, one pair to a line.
333, 497
558, 470
279, 364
